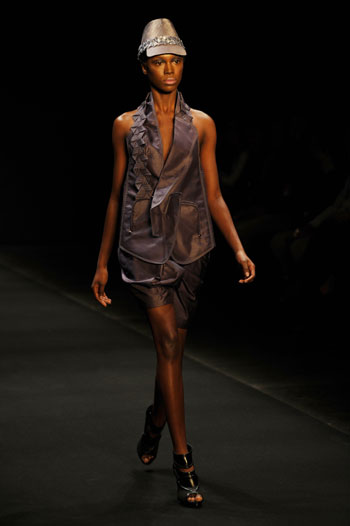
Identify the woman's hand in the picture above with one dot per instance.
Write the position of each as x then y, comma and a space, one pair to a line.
247, 266
98, 287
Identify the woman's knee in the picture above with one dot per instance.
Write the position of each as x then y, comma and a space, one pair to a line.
165, 333
168, 345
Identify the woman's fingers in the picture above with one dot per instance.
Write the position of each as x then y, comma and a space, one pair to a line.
95, 290
104, 300
249, 271
100, 295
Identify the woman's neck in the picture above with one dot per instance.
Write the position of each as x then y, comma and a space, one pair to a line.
164, 102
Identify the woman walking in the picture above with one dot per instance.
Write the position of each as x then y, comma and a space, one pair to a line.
165, 162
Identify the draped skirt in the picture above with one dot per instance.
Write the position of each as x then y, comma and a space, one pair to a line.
170, 283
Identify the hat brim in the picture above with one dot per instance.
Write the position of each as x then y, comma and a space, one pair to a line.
170, 49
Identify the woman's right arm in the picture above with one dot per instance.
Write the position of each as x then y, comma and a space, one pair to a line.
120, 129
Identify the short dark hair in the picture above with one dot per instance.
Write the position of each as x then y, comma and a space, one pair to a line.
142, 57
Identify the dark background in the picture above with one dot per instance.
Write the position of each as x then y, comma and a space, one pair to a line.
67, 76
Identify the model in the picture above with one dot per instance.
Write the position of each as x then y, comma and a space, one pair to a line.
170, 194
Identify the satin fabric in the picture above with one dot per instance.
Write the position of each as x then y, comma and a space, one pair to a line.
182, 294
165, 221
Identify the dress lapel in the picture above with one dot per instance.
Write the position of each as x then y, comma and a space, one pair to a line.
184, 136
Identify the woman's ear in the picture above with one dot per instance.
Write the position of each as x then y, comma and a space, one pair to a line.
144, 68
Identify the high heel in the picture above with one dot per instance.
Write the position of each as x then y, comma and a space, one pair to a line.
187, 481
148, 445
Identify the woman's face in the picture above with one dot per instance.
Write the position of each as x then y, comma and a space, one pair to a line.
164, 72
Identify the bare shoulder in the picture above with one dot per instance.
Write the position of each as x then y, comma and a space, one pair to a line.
204, 123
123, 123
200, 116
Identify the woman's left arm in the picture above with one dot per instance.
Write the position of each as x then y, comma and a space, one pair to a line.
217, 206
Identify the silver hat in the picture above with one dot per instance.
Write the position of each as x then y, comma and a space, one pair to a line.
159, 37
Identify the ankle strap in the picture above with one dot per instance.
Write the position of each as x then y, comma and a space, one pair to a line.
185, 460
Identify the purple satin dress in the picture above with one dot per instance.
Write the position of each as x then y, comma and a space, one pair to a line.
166, 232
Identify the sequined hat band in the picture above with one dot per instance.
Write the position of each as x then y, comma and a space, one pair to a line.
160, 41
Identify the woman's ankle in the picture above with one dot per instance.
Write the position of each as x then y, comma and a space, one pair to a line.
158, 417
181, 451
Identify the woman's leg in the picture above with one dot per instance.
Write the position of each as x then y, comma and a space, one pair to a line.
169, 392
159, 412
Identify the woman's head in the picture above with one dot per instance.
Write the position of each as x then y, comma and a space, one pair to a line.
162, 55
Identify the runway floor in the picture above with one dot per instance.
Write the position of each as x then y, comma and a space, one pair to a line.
75, 383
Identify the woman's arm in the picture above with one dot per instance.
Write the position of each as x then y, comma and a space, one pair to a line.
120, 129
217, 206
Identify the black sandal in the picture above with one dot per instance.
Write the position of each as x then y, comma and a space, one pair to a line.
148, 445
187, 481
